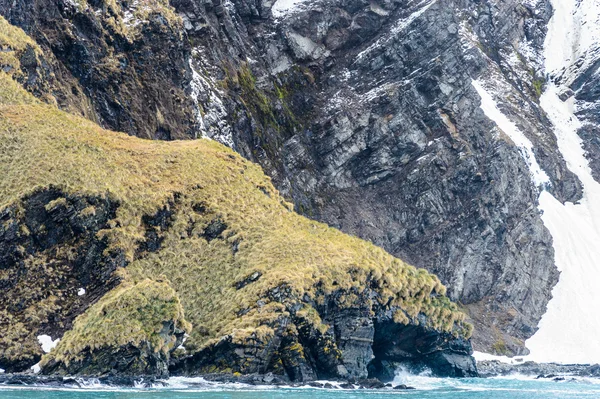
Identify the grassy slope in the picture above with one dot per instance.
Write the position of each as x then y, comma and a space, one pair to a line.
203, 181
135, 313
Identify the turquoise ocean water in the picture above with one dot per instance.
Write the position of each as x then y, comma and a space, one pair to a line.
514, 387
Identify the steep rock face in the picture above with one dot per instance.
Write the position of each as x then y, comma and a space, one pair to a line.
407, 159
126, 66
359, 339
365, 115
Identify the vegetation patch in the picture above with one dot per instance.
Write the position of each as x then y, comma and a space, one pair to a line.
131, 314
13, 44
270, 107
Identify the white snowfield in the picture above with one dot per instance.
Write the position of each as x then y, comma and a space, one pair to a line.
569, 330
574, 35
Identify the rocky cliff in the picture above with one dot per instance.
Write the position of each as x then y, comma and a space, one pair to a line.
140, 257
365, 114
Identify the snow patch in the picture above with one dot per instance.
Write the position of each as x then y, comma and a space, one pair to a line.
490, 108
405, 23
573, 39
305, 48
281, 8
398, 28
129, 17
47, 343
210, 111
568, 331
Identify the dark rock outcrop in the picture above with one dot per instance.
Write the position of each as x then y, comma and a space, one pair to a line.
358, 343
126, 69
416, 348
49, 251
128, 360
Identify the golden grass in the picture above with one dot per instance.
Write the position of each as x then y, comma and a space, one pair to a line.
203, 182
13, 42
129, 314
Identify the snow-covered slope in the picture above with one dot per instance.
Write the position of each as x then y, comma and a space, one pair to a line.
568, 331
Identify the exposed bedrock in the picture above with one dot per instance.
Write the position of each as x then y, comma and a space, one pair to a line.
354, 346
49, 252
362, 112
390, 142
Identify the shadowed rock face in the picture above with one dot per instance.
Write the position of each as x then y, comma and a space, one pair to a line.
362, 343
417, 348
365, 116
126, 74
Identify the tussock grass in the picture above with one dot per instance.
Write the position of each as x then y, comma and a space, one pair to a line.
129, 314
201, 182
13, 43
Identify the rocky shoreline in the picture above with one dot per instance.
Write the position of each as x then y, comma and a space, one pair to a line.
558, 372
144, 382
487, 369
